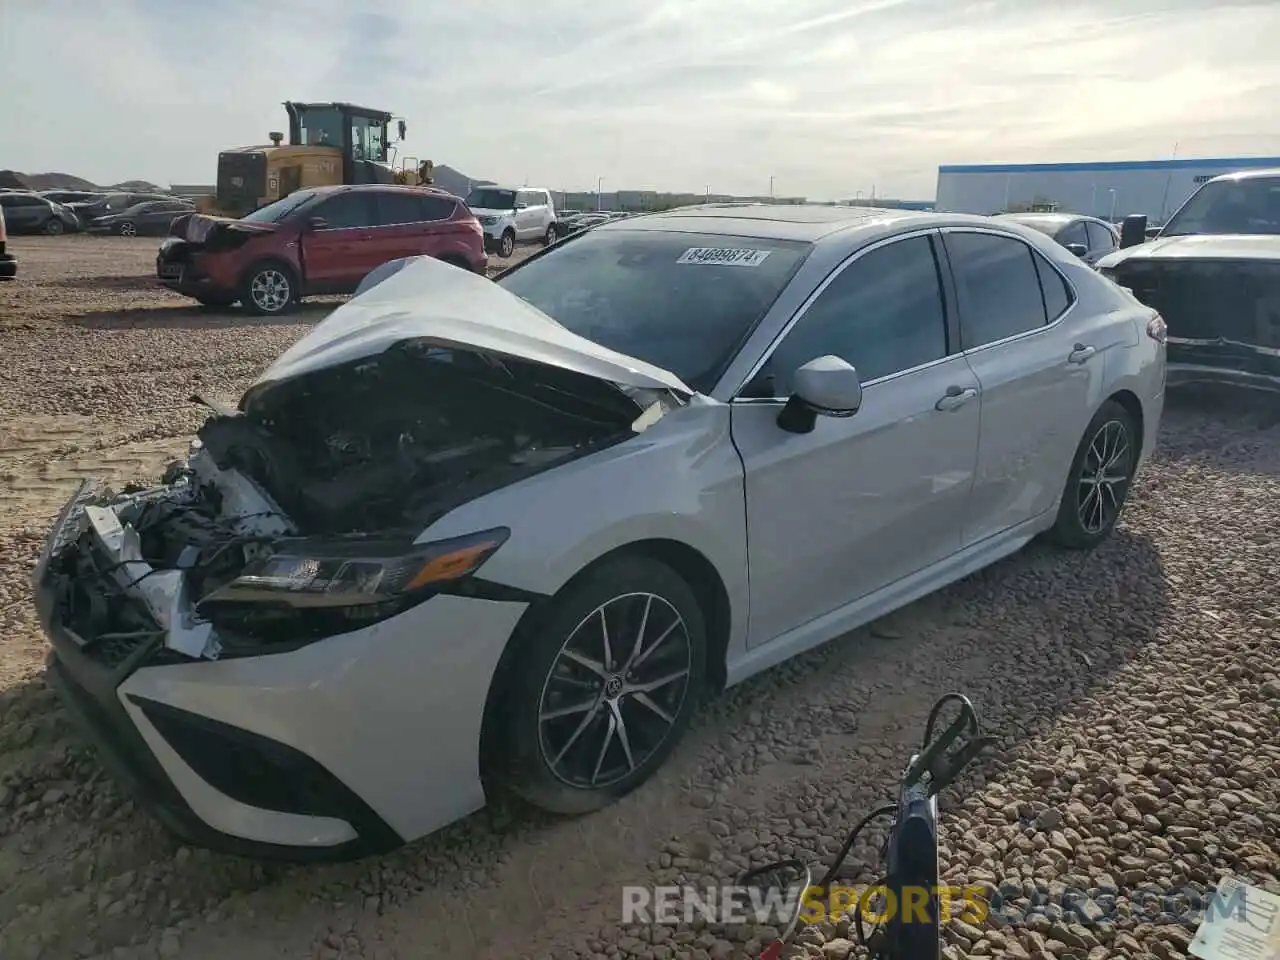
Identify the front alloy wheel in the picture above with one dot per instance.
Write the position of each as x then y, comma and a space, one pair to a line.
269, 291
614, 691
1100, 477
128, 229
603, 685
507, 244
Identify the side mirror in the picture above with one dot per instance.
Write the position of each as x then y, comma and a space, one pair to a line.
317, 223
1079, 249
826, 386
1133, 230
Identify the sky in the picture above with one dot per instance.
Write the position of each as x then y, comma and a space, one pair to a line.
828, 97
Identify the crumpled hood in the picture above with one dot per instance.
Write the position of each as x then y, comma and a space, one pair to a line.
196, 227
426, 300
1225, 246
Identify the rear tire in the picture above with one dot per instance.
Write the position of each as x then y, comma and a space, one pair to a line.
54, 227
127, 229
507, 244
567, 757
550, 236
269, 289
1099, 479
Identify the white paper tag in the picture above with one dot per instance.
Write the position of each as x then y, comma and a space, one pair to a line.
724, 256
1242, 922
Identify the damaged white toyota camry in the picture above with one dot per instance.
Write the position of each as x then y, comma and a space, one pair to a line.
447, 544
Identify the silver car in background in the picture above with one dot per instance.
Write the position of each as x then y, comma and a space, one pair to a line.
467, 535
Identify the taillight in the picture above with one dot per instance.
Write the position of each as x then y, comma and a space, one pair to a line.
3, 236
1157, 330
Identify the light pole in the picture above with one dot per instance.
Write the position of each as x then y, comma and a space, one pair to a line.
707, 198
599, 197
770, 186
1113, 205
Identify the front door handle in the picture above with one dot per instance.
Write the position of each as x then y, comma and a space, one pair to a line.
955, 398
1081, 353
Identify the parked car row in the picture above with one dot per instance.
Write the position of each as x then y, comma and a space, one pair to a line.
56, 212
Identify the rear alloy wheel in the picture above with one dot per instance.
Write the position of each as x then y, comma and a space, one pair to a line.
507, 244
54, 227
269, 289
604, 687
128, 229
549, 237
1099, 480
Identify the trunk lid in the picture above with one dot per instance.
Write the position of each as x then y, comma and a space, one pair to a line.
430, 302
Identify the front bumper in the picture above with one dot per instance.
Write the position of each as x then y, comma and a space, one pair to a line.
8, 266
344, 748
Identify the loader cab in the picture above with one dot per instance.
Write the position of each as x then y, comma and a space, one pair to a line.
360, 133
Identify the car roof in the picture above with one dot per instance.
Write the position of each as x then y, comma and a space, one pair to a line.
800, 221
393, 187
1248, 175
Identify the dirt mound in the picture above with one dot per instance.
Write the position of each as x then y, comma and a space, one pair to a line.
65, 181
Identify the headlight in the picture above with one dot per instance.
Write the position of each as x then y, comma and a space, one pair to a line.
346, 573
307, 589
1107, 272
488, 221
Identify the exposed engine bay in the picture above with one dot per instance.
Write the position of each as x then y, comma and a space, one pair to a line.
365, 453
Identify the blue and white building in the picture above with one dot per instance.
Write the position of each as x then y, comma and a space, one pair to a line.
1110, 190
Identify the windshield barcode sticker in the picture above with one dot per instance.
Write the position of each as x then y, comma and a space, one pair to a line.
724, 256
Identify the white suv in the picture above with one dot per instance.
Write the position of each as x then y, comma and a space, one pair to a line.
510, 214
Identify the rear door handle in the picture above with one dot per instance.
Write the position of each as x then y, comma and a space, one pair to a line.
955, 398
1081, 353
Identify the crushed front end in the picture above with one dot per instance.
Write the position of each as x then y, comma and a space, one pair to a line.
266, 645
1223, 315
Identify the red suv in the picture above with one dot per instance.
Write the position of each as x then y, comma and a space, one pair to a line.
315, 241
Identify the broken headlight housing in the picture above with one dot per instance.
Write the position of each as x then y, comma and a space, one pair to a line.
307, 589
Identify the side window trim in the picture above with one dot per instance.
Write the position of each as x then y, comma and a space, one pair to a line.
1075, 294
932, 234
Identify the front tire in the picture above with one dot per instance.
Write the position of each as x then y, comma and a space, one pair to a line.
269, 289
1099, 479
128, 229
507, 244
53, 228
603, 688
550, 236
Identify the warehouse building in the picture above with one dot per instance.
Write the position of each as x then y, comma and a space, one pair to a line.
1110, 190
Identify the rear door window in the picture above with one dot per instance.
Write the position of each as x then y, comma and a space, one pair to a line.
998, 285
395, 207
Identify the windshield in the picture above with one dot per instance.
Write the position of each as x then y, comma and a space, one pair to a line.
680, 301
277, 211
1229, 206
491, 199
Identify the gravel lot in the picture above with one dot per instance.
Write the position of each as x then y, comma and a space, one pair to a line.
1134, 690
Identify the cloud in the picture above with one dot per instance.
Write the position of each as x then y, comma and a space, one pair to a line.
826, 96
